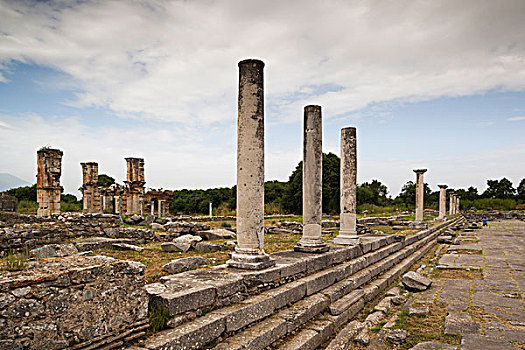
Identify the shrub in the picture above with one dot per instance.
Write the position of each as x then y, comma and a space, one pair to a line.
158, 317
17, 261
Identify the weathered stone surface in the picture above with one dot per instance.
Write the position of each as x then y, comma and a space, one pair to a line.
460, 323
418, 310
217, 233
189, 239
398, 300
206, 247
156, 226
474, 342
173, 247
58, 303
182, 264
415, 281
397, 336
431, 345
125, 246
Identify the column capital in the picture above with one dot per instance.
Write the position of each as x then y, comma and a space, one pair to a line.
443, 186
420, 171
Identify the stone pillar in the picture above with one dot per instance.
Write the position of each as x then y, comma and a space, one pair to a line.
152, 207
249, 252
442, 202
211, 210
160, 207
458, 208
420, 193
312, 242
49, 169
135, 185
347, 228
90, 193
451, 204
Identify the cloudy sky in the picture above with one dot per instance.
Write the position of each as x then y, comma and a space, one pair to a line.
436, 84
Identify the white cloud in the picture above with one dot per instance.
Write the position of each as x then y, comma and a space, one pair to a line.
176, 60
513, 119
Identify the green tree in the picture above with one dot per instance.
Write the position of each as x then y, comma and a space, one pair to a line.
408, 193
501, 189
521, 190
379, 192
293, 194
105, 180
25, 193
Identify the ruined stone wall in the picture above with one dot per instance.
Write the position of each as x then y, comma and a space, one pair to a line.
49, 169
496, 215
8, 203
71, 303
31, 231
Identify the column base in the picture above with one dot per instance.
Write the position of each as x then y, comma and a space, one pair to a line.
347, 238
250, 261
317, 248
418, 225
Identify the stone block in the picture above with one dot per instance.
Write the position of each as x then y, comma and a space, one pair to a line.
345, 302
192, 335
415, 281
460, 323
182, 264
319, 281
254, 309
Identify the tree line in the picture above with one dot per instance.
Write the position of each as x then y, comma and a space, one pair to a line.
285, 197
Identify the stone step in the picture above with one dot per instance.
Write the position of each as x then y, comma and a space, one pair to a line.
315, 331
285, 308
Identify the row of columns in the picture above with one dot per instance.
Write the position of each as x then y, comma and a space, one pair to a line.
249, 252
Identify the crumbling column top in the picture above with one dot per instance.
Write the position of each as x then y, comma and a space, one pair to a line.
51, 151
253, 61
420, 171
443, 186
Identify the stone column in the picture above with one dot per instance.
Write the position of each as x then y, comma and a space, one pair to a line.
442, 201
90, 193
211, 210
458, 208
152, 207
159, 203
451, 204
249, 252
312, 242
347, 228
49, 169
420, 193
135, 182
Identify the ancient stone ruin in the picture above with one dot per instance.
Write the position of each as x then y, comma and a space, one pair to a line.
49, 169
90, 195
291, 299
8, 203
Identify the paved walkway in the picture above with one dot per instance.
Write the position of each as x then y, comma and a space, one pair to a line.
488, 312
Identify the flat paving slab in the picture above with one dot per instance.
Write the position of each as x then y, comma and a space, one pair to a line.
489, 313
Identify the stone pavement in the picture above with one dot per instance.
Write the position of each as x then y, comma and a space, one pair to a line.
489, 312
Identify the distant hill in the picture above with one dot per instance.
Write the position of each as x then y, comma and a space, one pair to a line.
8, 181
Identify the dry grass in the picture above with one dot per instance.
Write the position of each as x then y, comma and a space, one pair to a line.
422, 328
154, 257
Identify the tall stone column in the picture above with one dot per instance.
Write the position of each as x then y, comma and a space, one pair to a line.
90, 193
442, 201
347, 228
420, 194
49, 169
451, 204
249, 252
211, 210
160, 209
312, 242
458, 208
